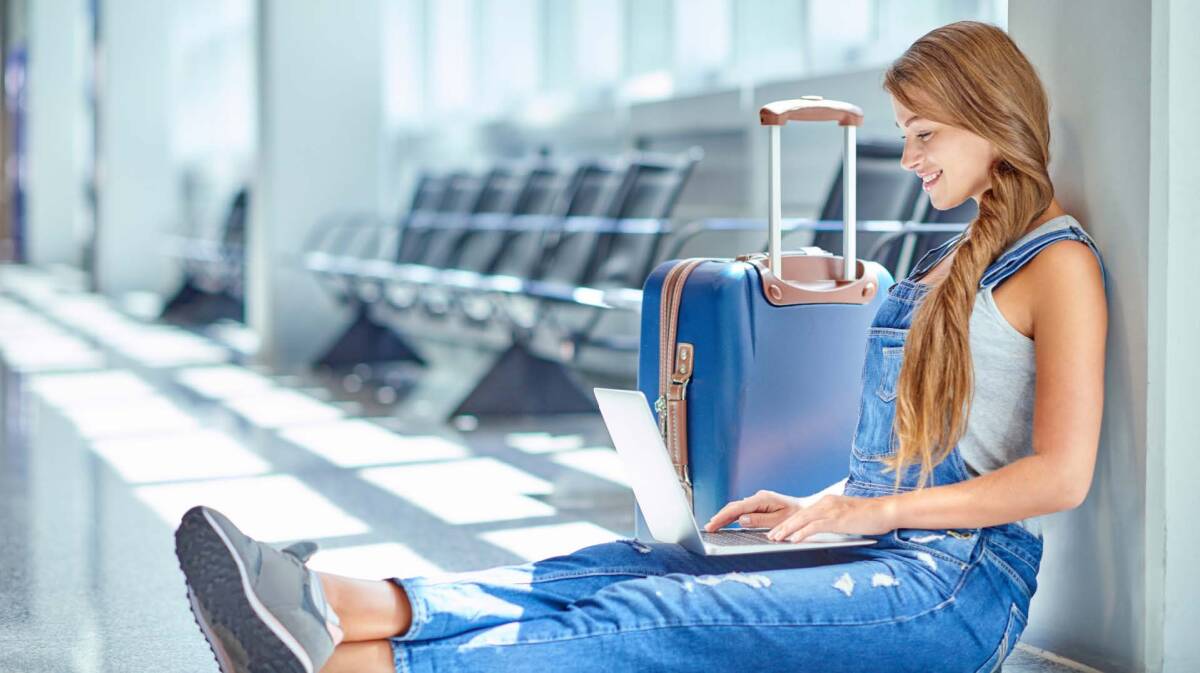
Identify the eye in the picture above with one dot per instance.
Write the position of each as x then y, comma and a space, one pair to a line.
924, 136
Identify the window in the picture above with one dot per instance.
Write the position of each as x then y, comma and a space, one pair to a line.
485, 58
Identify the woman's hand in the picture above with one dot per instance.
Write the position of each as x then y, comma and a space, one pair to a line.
790, 519
764, 509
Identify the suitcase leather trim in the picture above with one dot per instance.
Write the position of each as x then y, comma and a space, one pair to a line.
676, 364
808, 281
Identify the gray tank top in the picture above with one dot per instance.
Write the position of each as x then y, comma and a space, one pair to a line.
1000, 425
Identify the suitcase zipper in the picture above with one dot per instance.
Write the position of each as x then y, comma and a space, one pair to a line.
668, 325
676, 365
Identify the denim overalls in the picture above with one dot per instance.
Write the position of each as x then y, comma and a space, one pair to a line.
918, 600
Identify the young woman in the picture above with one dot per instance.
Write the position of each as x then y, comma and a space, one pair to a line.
981, 404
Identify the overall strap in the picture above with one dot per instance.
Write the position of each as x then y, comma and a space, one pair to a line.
930, 259
1012, 261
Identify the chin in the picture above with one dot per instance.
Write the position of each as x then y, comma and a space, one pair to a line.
943, 203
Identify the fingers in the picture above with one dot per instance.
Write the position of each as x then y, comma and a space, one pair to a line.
763, 502
728, 514
768, 520
797, 527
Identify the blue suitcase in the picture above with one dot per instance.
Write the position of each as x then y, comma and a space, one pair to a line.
755, 380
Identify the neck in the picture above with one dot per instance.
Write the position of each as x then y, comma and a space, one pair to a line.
1052, 211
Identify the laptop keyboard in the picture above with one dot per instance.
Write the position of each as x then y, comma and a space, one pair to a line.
735, 537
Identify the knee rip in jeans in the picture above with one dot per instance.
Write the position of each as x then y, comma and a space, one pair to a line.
756, 581
845, 583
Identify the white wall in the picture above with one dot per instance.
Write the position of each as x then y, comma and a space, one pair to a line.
55, 142
1118, 587
1173, 465
138, 189
320, 119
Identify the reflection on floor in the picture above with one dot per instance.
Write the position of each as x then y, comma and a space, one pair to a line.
113, 428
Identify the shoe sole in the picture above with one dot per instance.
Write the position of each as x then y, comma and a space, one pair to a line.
223, 602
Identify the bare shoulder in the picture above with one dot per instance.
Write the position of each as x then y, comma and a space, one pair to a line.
1068, 284
1066, 264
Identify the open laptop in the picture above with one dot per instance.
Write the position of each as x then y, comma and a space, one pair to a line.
665, 507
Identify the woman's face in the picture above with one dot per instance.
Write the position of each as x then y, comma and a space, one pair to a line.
952, 162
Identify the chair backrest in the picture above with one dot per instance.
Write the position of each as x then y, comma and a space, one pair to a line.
459, 197
650, 190
427, 195
652, 185
963, 214
512, 249
885, 190
462, 193
233, 230
527, 191
590, 192
593, 188
543, 191
501, 189
455, 235
899, 251
583, 191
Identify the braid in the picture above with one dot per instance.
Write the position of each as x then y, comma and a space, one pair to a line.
972, 76
936, 385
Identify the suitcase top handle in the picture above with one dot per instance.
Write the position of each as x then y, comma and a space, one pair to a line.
816, 109
810, 109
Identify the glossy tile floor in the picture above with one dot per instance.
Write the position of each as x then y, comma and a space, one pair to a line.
112, 428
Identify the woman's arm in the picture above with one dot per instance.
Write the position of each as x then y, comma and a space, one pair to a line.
1070, 321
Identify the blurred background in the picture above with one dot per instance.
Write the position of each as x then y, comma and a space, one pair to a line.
348, 271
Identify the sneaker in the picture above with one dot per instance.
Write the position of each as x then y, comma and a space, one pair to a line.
261, 609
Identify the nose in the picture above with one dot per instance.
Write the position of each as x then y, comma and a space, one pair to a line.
910, 158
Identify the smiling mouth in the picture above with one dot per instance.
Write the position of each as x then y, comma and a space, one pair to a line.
928, 183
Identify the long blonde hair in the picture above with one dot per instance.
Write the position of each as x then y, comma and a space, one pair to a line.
972, 76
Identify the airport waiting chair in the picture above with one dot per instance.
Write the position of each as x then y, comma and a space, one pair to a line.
961, 214
428, 239
347, 245
886, 191
508, 249
213, 271
887, 198
473, 249
522, 286
589, 333
898, 251
590, 256
449, 253
346, 256
449, 224
547, 250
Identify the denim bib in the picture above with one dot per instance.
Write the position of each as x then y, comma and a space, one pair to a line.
875, 438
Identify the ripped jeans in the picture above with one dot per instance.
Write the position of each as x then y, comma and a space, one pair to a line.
915, 601
918, 600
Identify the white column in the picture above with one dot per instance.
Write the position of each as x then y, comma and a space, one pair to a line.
1118, 581
56, 142
321, 136
1172, 464
138, 190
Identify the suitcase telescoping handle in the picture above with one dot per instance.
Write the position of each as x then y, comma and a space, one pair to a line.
813, 109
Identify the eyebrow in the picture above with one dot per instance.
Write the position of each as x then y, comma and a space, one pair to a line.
909, 121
